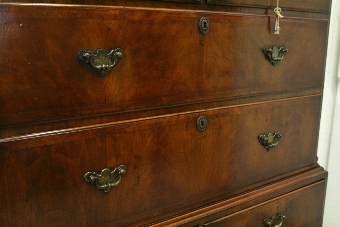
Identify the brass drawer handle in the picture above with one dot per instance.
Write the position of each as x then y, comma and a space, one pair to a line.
275, 221
102, 61
271, 140
274, 54
106, 179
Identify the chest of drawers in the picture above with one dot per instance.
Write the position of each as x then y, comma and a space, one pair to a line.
161, 113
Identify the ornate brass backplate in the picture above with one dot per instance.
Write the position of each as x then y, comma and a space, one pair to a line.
106, 179
271, 140
102, 61
275, 54
274, 221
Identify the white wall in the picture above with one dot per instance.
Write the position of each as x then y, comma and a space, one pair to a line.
329, 139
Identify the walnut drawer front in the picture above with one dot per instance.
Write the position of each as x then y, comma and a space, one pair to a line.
300, 208
160, 64
169, 162
235, 63
166, 60
301, 5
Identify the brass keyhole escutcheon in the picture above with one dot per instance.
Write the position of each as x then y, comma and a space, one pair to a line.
202, 123
204, 25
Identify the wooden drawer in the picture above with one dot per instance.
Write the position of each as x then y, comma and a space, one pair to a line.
302, 5
300, 208
170, 164
42, 78
235, 65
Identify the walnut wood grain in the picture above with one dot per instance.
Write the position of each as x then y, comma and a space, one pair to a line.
50, 83
297, 207
234, 64
313, 5
59, 120
10, 131
310, 9
168, 163
235, 205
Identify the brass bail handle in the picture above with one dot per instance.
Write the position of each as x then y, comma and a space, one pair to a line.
102, 61
270, 140
274, 54
274, 221
106, 179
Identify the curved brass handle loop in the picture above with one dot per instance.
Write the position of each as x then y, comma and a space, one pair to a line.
275, 54
102, 61
271, 140
106, 179
275, 221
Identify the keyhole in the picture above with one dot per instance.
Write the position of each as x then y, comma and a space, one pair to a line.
204, 25
202, 123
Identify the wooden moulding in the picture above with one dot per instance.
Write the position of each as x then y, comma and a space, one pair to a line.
250, 200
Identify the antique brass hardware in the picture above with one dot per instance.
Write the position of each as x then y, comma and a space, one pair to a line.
102, 61
277, 11
274, 54
204, 25
271, 140
202, 123
106, 179
275, 221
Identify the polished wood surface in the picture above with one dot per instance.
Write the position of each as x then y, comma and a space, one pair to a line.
166, 155
310, 5
60, 120
51, 83
234, 64
295, 206
292, 8
255, 198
